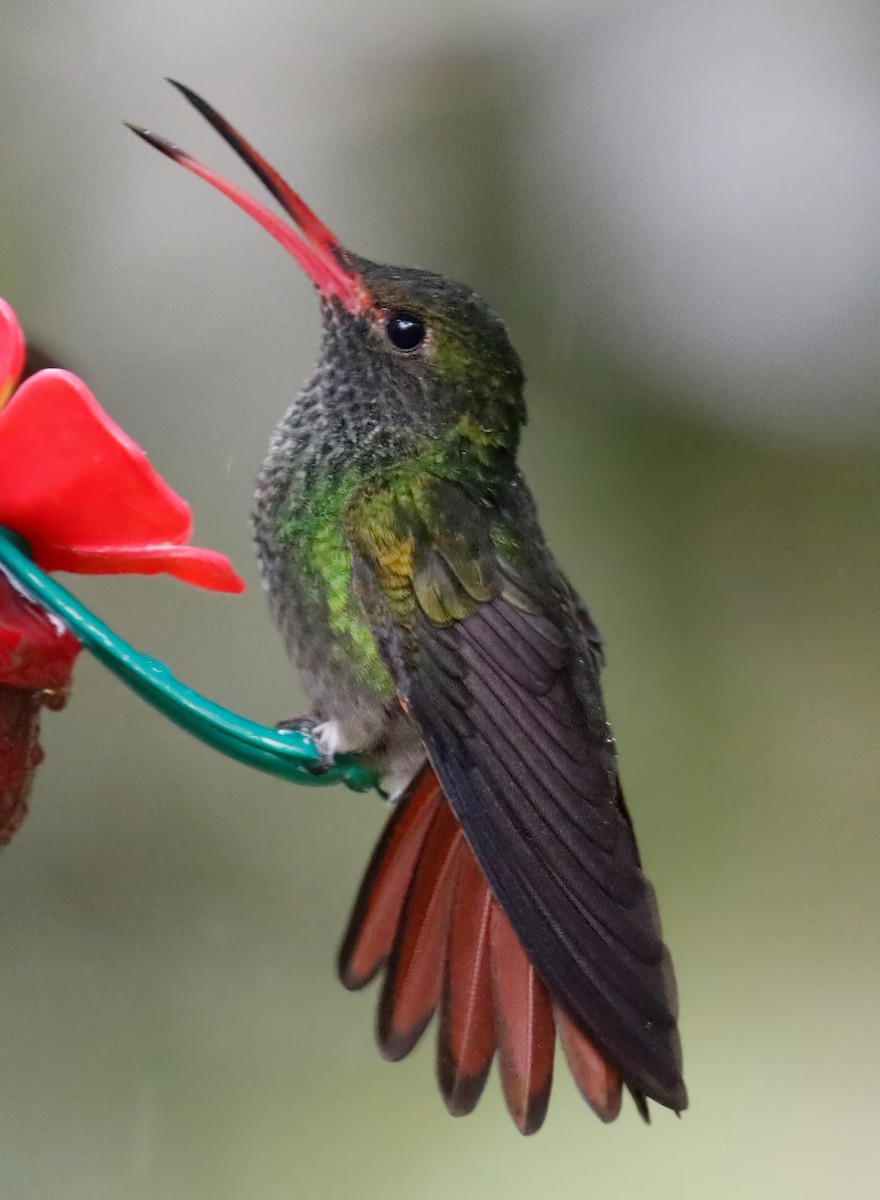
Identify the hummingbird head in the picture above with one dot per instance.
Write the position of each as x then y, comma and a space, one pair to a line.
423, 344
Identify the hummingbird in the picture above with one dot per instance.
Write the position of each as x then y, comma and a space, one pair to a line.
438, 638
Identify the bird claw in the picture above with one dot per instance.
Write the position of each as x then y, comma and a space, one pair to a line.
311, 728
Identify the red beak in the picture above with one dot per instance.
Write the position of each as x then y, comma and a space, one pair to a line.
315, 248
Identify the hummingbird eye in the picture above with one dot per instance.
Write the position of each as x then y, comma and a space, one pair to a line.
405, 331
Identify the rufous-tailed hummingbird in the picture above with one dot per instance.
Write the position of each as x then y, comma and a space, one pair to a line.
437, 636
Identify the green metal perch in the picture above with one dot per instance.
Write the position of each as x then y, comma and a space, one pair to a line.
286, 753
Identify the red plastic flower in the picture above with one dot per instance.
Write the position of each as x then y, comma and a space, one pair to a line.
86, 499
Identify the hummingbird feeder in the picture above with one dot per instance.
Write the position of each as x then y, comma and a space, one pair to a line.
78, 495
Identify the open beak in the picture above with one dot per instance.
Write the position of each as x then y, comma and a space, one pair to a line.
315, 248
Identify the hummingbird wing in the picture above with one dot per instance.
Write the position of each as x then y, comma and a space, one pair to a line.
497, 664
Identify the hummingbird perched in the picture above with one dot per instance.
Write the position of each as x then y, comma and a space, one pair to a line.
437, 637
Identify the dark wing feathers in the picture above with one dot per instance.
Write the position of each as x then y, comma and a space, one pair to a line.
498, 664
563, 868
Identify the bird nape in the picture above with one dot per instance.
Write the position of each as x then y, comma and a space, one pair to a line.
437, 637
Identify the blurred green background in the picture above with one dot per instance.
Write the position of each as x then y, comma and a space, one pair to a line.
675, 205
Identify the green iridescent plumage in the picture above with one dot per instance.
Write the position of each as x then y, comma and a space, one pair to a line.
384, 510
313, 530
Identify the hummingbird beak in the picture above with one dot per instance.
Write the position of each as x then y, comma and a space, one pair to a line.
315, 248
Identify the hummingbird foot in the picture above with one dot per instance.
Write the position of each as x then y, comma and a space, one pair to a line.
317, 730
328, 737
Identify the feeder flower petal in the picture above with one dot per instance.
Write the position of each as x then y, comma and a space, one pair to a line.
11, 351
81, 492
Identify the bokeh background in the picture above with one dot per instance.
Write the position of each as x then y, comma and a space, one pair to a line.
676, 205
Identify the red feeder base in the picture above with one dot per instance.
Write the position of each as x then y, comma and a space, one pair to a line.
37, 654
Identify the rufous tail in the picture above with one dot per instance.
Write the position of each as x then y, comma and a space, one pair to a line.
425, 915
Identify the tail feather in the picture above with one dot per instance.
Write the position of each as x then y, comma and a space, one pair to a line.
374, 921
425, 912
466, 1038
523, 1027
598, 1082
414, 978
